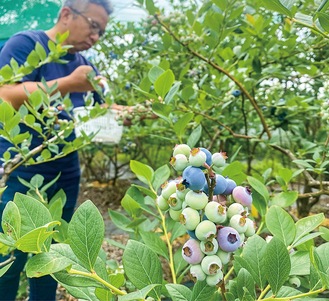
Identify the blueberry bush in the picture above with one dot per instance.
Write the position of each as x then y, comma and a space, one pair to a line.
239, 91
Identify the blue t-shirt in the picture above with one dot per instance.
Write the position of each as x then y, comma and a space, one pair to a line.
19, 47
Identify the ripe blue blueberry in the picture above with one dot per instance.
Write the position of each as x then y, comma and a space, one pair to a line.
221, 184
191, 252
236, 93
208, 155
193, 178
228, 239
231, 184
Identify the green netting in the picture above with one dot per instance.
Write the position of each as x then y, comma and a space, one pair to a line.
17, 15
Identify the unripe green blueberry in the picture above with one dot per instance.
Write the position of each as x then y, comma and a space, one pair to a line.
206, 230
197, 157
211, 264
182, 149
213, 280
191, 251
174, 202
224, 256
238, 222
234, 209
179, 162
175, 214
209, 247
168, 189
196, 199
181, 190
215, 212
219, 159
251, 229
162, 203
242, 238
295, 281
190, 218
197, 273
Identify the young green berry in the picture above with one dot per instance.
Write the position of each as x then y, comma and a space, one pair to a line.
238, 222
228, 239
209, 247
162, 203
181, 190
179, 162
191, 252
197, 273
206, 230
182, 149
196, 199
190, 218
211, 264
242, 195
215, 212
197, 157
175, 214
234, 209
219, 159
213, 280
168, 189
251, 229
225, 257
174, 202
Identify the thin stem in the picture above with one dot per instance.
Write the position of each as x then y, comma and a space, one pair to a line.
99, 279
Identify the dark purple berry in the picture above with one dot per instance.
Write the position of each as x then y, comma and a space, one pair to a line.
228, 239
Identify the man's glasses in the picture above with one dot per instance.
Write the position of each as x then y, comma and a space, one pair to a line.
94, 26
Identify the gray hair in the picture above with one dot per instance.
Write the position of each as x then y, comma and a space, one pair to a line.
106, 4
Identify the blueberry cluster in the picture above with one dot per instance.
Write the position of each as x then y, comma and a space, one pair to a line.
325, 111
212, 208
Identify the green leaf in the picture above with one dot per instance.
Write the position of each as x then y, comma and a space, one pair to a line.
179, 292
325, 233
324, 20
138, 295
143, 172
195, 136
181, 124
246, 284
280, 6
203, 292
142, 266
254, 259
163, 83
323, 6
278, 264
307, 224
120, 220
300, 263
33, 213
281, 224
155, 243
172, 92
259, 187
86, 233
11, 220
161, 175
4, 269
162, 110
285, 198
131, 206
154, 73
40, 51
46, 263
36, 241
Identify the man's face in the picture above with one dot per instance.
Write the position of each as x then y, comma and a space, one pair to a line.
86, 26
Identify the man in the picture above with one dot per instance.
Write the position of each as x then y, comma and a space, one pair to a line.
85, 20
